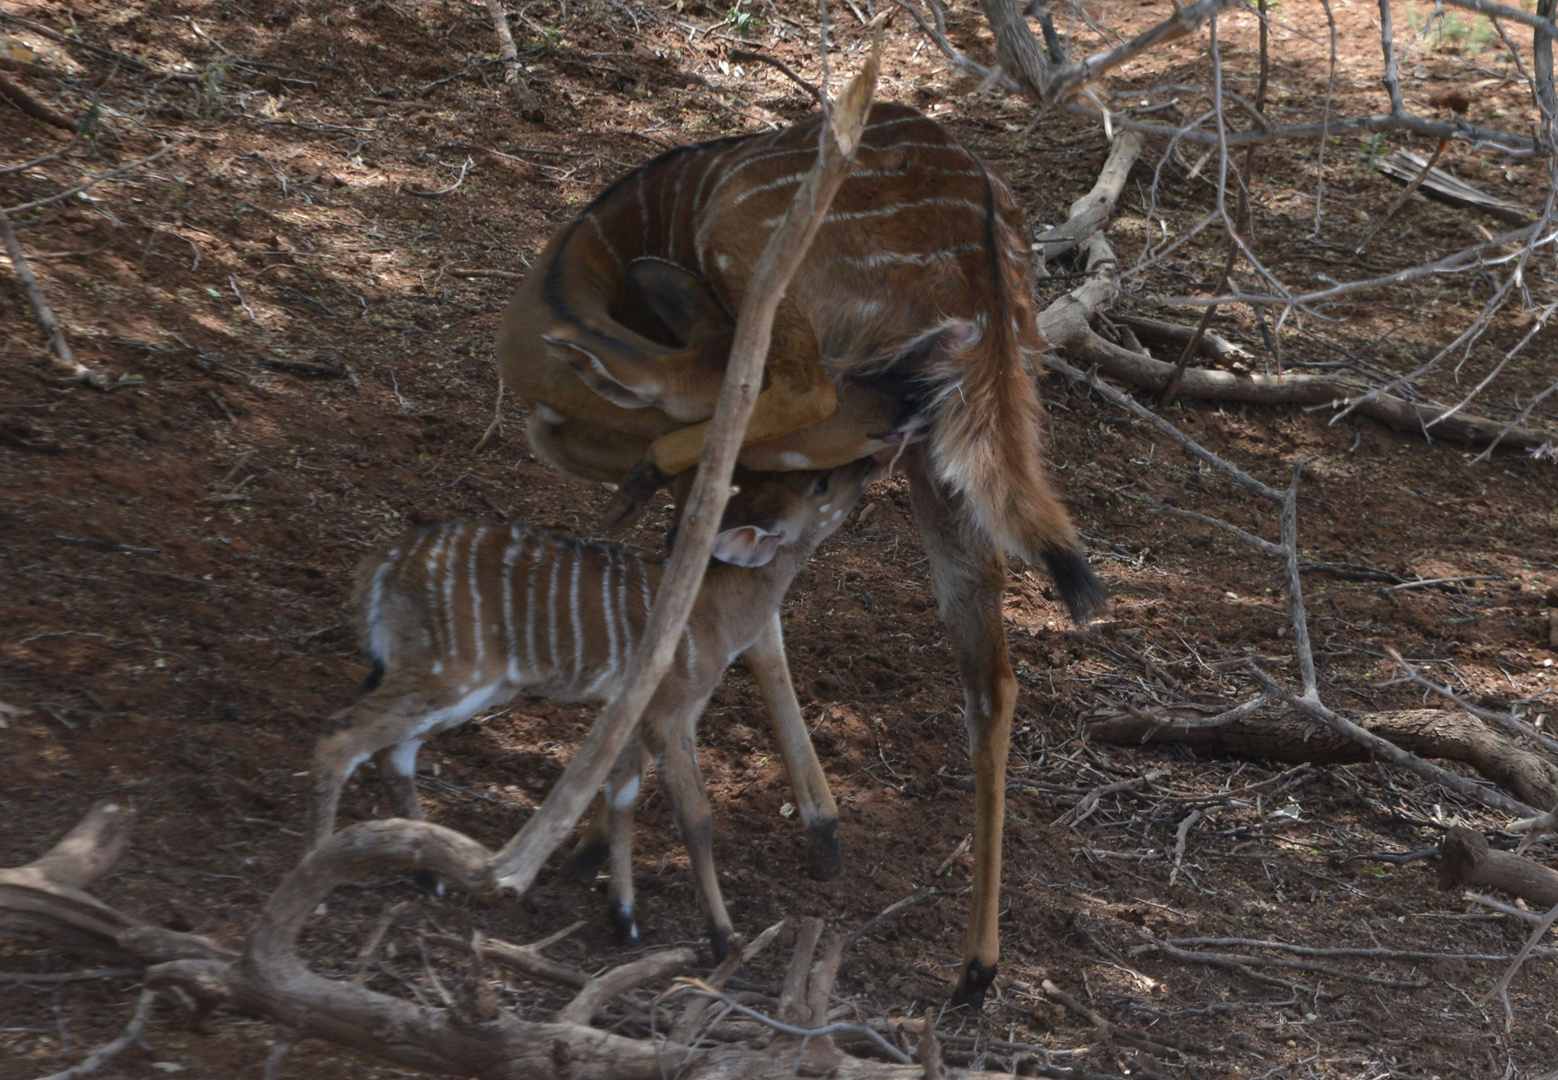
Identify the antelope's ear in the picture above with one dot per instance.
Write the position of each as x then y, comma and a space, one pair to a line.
747, 545
679, 298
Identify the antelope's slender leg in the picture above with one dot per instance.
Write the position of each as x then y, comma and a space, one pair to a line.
678, 762
621, 799
968, 574
819, 813
397, 766
381, 721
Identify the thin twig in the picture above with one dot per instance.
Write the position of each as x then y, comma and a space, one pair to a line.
526, 102
94, 180
1501, 988
40, 305
111, 1049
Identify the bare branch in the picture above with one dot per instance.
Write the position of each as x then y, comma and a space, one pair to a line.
524, 100
605, 989
93, 180
111, 1049
40, 305
516, 866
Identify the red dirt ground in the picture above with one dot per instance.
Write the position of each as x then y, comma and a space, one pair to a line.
177, 554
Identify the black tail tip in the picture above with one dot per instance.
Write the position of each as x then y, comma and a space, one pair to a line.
1085, 595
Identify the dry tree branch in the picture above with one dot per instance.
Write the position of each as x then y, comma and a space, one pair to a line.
516, 866
1388, 750
18, 96
1466, 860
94, 179
40, 305
524, 100
1209, 384
1509, 721
47, 898
1501, 988
45, 901
604, 989
1290, 736
785, 69
111, 1049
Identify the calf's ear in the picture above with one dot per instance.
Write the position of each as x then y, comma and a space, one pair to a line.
747, 545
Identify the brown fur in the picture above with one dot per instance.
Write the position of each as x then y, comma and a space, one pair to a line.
851, 319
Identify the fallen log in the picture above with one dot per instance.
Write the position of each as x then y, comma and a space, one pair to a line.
1465, 860
1083, 346
1287, 737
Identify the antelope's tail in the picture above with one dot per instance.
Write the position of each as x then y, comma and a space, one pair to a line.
986, 444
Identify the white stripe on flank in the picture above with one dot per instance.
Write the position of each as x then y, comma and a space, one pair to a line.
645, 592
692, 650
536, 553
578, 623
622, 606
882, 125
676, 204
551, 605
516, 545
879, 259
600, 234
376, 632
887, 211
913, 168
608, 615
753, 160
784, 181
911, 145
451, 561
434, 552
643, 207
478, 631
715, 167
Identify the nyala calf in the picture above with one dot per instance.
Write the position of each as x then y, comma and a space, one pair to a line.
460, 617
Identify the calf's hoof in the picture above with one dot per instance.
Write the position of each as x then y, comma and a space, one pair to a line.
719, 941
625, 924
428, 884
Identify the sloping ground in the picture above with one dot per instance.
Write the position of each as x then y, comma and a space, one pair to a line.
177, 556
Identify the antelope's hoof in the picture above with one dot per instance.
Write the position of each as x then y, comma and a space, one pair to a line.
824, 854
633, 495
625, 924
719, 941
972, 987
428, 884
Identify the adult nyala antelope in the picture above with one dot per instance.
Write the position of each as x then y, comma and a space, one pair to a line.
910, 320
462, 616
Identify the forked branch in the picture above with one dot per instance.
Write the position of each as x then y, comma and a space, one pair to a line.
44, 901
